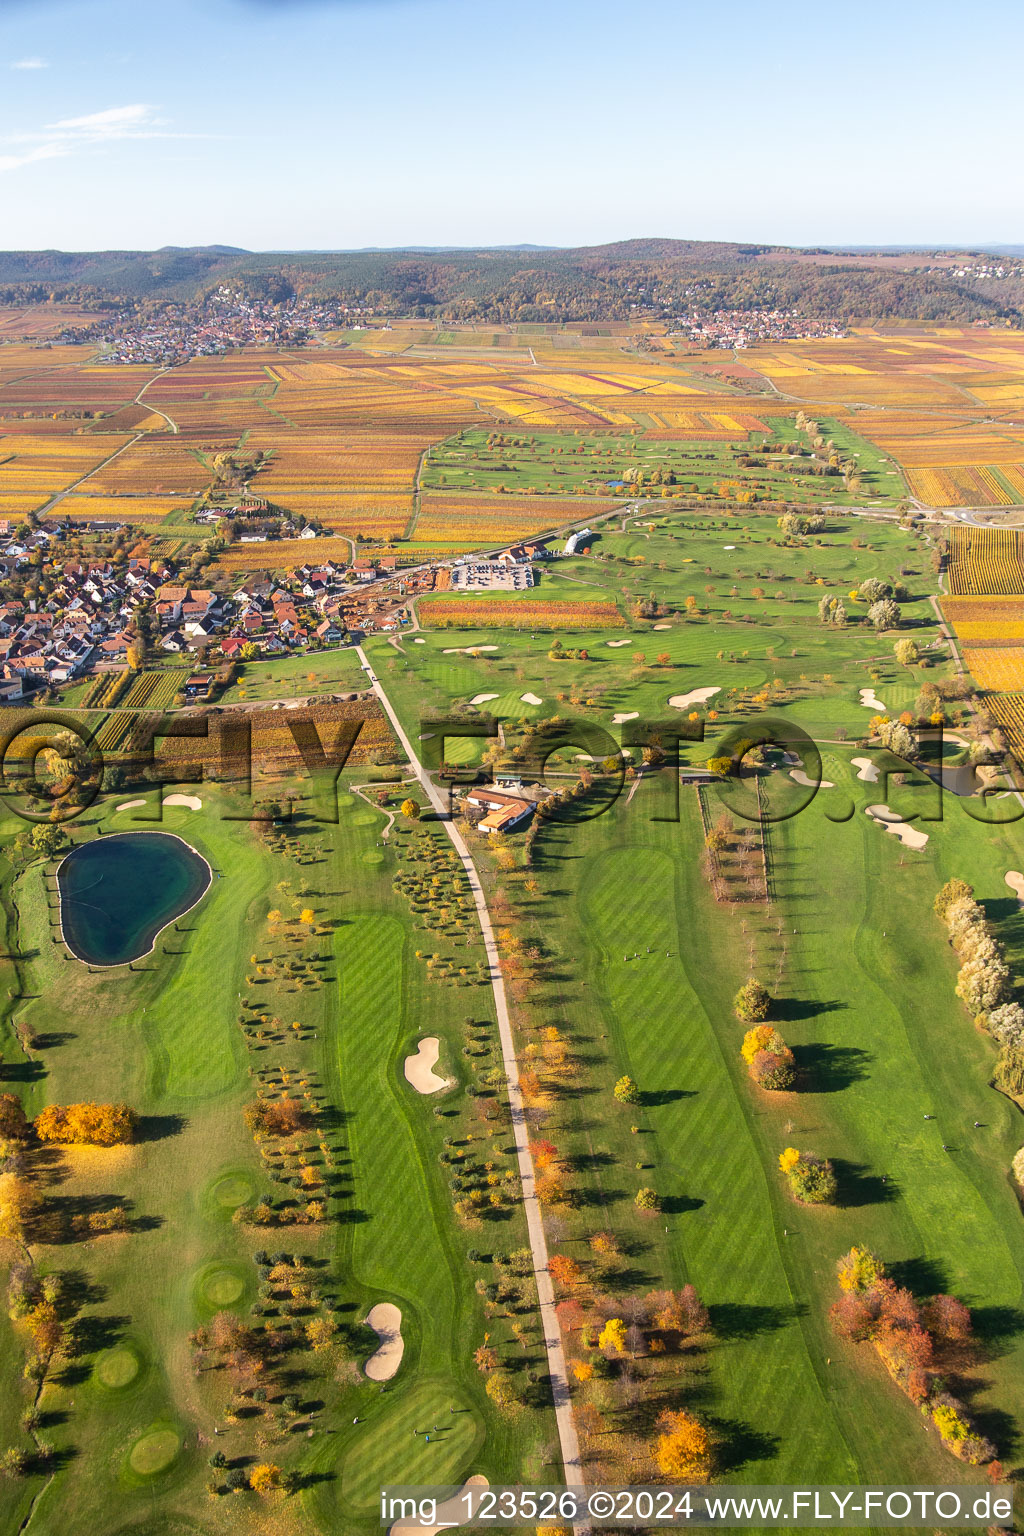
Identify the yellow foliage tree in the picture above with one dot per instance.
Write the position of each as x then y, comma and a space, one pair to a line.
613, 1335
15, 1202
859, 1269
265, 1477
583, 1370
307, 915
92, 1125
757, 1039
788, 1159
684, 1451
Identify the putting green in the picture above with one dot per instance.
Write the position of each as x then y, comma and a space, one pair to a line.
116, 1368
346, 802
365, 819
232, 1190
154, 1451
373, 856
385, 1450
219, 1285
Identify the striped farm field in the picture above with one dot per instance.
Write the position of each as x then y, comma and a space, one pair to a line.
36, 467
127, 509
1008, 710
515, 613
996, 668
449, 518
986, 561
279, 554
958, 486
114, 729
973, 610
989, 632
154, 689
149, 467
1013, 474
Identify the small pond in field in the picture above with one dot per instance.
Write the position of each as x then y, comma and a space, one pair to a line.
117, 892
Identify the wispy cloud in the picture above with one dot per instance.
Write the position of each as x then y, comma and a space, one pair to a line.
136, 121
41, 152
30, 64
90, 131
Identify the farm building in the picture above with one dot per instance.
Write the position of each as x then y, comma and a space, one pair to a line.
504, 812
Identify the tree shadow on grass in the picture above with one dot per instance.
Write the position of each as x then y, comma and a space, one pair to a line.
584, 1162
742, 1320
628, 1280
858, 1187
790, 1010
23, 1072
49, 1040
94, 1332
995, 1329
659, 1096
159, 1127
924, 1277
310, 1479
740, 1444
56, 1461
830, 1068
680, 1205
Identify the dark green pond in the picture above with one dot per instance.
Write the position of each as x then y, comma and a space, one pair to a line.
118, 892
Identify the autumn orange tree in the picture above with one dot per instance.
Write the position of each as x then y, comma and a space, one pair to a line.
565, 1271
95, 1125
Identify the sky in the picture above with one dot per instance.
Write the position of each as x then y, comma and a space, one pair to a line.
337, 124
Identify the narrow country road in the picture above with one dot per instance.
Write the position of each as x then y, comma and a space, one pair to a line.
538, 1245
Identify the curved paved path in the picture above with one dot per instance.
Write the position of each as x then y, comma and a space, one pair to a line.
538, 1244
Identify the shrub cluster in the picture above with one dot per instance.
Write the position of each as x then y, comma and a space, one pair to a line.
910, 1339
811, 1179
92, 1125
768, 1057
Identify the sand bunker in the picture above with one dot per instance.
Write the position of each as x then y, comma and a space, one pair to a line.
695, 696
870, 700
448, 1513
909, 836
129, 805
621, 719
386, 1321
192, 802
467, 650
615, 643
728, 546
419, 1069
1015, 880
801, 778
663, 626
530, 698
418, 640
483, 698
865, 769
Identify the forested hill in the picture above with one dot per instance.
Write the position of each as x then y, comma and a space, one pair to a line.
655, 277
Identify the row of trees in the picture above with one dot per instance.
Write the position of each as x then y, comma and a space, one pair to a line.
769, 1059
983, 982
